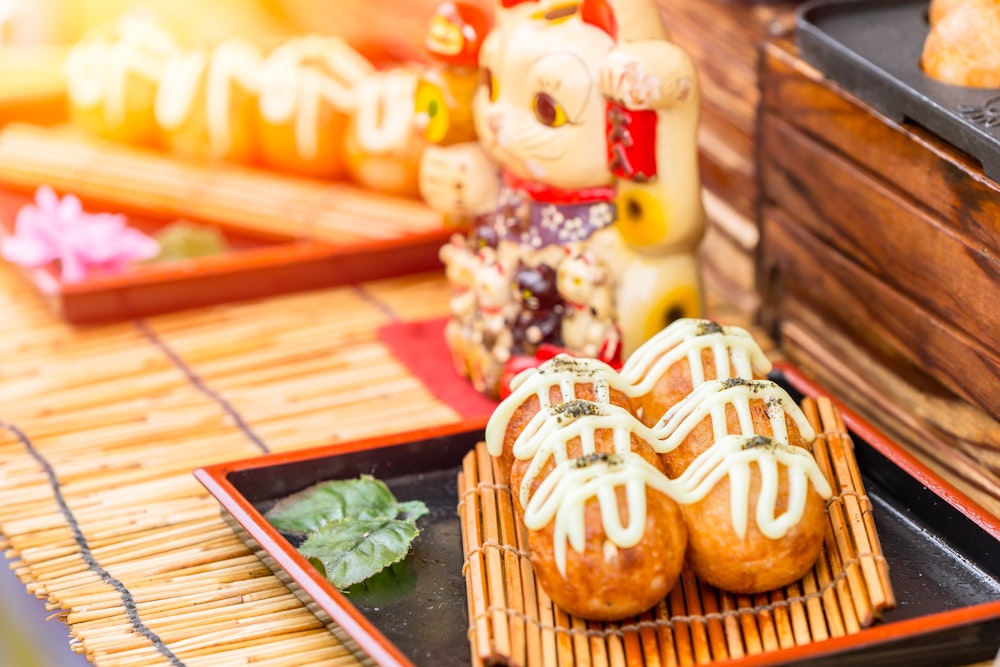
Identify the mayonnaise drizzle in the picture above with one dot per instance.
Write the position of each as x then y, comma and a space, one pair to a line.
233, 63
178, 88
385, 111
230, 63
735, 352
710, 400
732, 455
300, 75
561, 371
548, 434
97, 69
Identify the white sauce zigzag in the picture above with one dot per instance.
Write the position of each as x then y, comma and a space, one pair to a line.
710, 400
562, 371
563, 494
548, 434
735, 352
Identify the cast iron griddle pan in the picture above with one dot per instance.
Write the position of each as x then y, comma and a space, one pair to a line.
872, 48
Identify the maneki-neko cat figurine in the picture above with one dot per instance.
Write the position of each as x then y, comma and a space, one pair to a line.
583, 177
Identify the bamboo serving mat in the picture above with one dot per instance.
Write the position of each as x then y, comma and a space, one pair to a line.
512, 620
229, 195
101, 426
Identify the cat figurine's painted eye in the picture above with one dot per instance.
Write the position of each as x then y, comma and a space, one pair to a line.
548, 111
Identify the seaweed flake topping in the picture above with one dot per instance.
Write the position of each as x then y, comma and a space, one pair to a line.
759, 441
566, 364
775, 407
709, 327
610, 460
576, 408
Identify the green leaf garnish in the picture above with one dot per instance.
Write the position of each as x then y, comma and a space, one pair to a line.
308, 510
350, 551
412, 510
355, 527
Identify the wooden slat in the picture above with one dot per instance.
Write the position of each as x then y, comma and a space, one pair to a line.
872, 311
853, 213
944, 181
266, 203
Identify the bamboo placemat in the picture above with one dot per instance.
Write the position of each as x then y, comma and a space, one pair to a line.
513, 621
101, 426
262, 201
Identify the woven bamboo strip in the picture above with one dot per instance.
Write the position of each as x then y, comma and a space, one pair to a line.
842, 549
235, 581
857, 508
513, 585
735, 647
478, 603
495, 579
533, 640
689, 601
797, 617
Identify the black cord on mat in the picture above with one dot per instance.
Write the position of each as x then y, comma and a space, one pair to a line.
88, 557
200, 384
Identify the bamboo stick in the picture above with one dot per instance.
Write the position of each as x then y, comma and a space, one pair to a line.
734, 636
514, 585
714, 626
701, 649
474, 562
494, 562
683, 642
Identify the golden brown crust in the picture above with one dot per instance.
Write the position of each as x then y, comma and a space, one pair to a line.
756, 563
632, 581
963, 45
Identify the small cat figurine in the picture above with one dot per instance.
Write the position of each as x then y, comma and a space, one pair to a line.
588, 324
588, 116
539, 321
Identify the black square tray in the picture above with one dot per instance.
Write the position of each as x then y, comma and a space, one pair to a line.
943, 551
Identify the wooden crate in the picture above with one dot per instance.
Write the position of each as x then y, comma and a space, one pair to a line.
879, 262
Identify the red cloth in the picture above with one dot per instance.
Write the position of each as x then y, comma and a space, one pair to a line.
420, 346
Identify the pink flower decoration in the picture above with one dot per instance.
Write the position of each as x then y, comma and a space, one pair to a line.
53, 229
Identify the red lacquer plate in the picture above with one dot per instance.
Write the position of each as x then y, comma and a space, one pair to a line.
943, 551
258, 264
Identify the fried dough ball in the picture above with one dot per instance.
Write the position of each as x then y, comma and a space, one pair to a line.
961, 46
754, 563
603, 581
